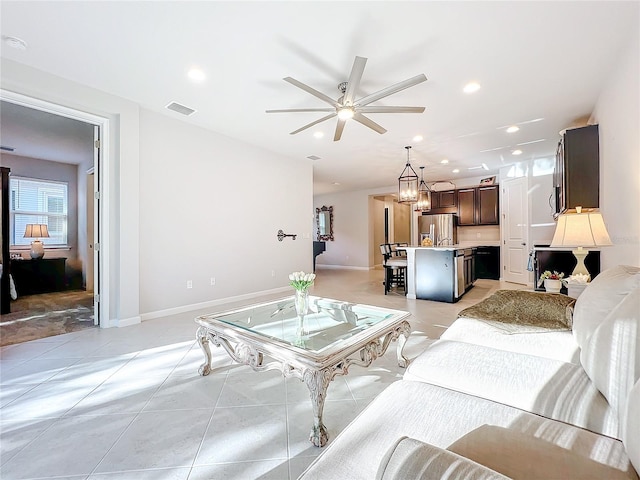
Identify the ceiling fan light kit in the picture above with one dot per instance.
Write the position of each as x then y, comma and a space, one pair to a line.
347, 107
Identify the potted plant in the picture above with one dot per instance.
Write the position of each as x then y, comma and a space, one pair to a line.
552, 281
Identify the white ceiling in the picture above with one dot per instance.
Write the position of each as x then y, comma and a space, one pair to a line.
535, 60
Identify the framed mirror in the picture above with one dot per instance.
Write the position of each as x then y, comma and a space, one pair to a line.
324, 223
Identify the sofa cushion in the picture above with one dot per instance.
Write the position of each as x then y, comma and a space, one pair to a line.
439, 416
631, 426
557, 390
600, 297
542, 342
523, 308
412, 459
523, 456
612, 356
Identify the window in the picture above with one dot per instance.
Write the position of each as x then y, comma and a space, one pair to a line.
38, 201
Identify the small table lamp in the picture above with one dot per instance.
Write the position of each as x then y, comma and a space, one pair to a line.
581, 230
37, 231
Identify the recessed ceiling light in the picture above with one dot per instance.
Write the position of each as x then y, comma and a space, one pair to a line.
318, 134
513, 129
196, 75
15, 42
471, 87
336, 183
517, 152
456, 170
444, 161
418, 138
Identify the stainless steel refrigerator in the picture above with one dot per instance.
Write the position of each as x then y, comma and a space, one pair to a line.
442, 229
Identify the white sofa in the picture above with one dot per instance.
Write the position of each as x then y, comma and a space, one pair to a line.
534, 404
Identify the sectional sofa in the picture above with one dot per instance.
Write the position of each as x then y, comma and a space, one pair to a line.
494, 400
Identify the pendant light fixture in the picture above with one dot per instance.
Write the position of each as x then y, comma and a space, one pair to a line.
408, 183
424, 194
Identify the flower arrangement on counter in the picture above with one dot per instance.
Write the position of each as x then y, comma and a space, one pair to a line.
301, 281
547, 275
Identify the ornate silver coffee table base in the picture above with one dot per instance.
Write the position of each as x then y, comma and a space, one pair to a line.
316, 375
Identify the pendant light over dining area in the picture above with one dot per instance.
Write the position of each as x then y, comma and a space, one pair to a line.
408, 183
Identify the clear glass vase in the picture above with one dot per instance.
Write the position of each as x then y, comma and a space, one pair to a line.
302, 302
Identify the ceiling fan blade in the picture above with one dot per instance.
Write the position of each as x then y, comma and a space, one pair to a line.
289, 110
339, 129
354, 80
312, 91
380, 109
358, 117
313, 123
385, 92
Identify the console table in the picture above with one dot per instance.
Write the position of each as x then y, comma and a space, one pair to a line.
39, 276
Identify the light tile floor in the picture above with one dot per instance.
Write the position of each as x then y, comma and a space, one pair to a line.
119, 404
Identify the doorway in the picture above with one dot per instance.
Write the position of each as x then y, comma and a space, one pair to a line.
391, 222
83, 267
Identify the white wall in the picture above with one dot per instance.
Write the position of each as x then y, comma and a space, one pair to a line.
352, 229
618, 114
230, 234
122, 194
211, 206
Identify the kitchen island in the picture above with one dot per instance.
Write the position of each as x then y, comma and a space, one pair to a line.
442, 274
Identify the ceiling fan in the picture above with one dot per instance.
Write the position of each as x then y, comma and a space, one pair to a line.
347, 106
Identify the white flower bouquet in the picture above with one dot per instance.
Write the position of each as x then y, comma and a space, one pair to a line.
301, 281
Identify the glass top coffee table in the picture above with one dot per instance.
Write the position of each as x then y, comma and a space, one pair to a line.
314, 347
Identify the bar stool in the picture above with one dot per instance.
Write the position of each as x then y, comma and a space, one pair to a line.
395, 269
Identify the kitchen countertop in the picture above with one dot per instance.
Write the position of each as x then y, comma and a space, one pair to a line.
457, 246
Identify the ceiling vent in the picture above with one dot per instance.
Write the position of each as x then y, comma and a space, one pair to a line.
6, 149
176, 107
313, 157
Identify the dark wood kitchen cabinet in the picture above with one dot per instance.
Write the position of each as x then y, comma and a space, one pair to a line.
444, 202
576, 178
478, 206
487, 206
466, 206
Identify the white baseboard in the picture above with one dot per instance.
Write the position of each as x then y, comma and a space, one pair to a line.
211, 303
126, 322
341, 267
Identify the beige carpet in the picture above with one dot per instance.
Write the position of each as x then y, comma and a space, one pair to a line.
39, 316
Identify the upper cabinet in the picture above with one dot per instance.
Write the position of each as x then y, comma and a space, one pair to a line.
478, 206
444, 202
466, 206
487, 210
576, 177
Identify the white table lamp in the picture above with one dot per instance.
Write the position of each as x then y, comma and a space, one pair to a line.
37, 231
581, 230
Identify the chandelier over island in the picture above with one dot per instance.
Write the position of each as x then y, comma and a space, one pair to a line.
424, 194
408, 183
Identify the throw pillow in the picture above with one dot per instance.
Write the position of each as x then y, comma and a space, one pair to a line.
547, 310
416, 460
600, 297
522, 456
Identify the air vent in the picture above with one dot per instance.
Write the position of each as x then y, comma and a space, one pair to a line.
176, 107
313, 157
6, 149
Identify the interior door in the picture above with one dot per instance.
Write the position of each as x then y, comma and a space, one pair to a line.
94, 244
515, 230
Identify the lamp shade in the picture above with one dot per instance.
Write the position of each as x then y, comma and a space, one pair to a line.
581, 230
36, 230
